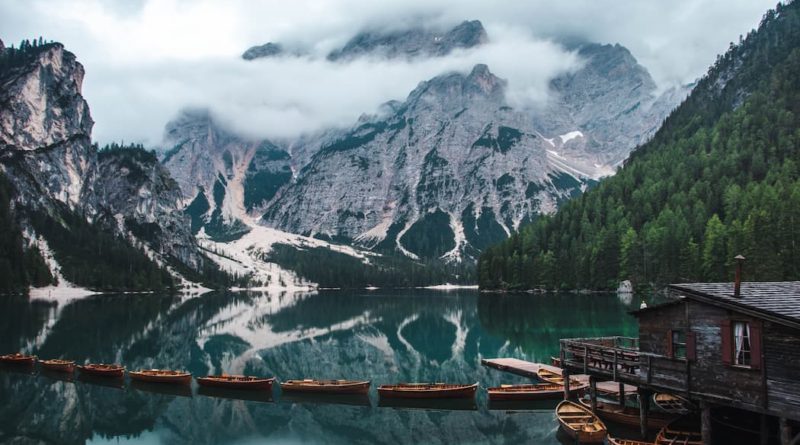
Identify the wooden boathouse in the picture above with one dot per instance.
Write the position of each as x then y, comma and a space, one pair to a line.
732, 346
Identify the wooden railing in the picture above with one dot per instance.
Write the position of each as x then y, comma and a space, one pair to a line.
614, 356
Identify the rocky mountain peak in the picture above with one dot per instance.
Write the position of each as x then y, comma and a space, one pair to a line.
468, 34
42, 90
455, 91
412, 43
486, 82
268, 49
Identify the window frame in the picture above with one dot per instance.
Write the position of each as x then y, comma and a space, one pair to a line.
747, 345
676, 346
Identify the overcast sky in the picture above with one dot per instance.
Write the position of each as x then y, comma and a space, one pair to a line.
147, 59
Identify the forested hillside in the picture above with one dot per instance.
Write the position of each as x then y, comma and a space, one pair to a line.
720, 178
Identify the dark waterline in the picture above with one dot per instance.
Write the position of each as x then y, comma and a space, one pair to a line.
386, 337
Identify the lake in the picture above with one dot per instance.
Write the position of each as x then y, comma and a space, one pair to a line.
383, 336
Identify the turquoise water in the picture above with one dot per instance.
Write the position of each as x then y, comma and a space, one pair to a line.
385, 337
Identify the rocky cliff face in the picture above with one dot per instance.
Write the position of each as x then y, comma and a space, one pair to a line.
137, 193
46, 152
450, 169
45, 125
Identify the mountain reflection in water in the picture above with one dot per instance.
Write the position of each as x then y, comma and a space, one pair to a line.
385, 337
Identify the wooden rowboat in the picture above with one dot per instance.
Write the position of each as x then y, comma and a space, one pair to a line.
58, 365
327, 386
671, 403
427, 390
627, 415
556, 378
161, 376
579, 423
684, 431
17, 359
236, 382
540, 391
102, 370
615, 441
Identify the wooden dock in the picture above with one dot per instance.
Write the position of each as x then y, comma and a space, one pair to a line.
529, 369
518, 367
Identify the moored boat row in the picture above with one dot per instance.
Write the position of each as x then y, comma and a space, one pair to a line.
242, 382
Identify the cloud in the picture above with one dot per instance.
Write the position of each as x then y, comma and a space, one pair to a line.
284, 97
146, 60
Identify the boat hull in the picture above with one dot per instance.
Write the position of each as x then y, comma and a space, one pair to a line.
326, 387
671, 403
14, 359
579, 423
183, 378
527, 392
684, 431
57, 366
575, 386
614, 441
229, 382
626, 416
427, 391
111, 372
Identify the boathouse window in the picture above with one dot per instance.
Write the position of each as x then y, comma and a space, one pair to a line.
678, 344
681, 345
741, 344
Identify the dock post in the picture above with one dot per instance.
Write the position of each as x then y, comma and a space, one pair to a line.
565, 375
705, 422
621, 394
764, 430
593, 392
785, 431
644, 409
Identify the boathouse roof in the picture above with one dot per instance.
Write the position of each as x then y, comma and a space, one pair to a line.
775, 301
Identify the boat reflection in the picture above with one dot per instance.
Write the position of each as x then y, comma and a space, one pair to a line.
523, 405
109, 382
18, 368
236, 394
430, 404
57, 375
326, 399
162, 388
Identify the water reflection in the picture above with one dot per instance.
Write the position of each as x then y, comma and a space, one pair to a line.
384, 337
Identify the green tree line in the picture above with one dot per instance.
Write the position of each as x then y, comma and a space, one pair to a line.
334, 269
720, 178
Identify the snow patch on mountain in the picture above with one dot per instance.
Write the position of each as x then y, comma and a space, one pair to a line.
566, 137
249, 255
64, 290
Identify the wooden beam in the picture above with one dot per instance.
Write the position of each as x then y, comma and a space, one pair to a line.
565, 375
644, 409
621, 394
764, 430
593, 393
705, 422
